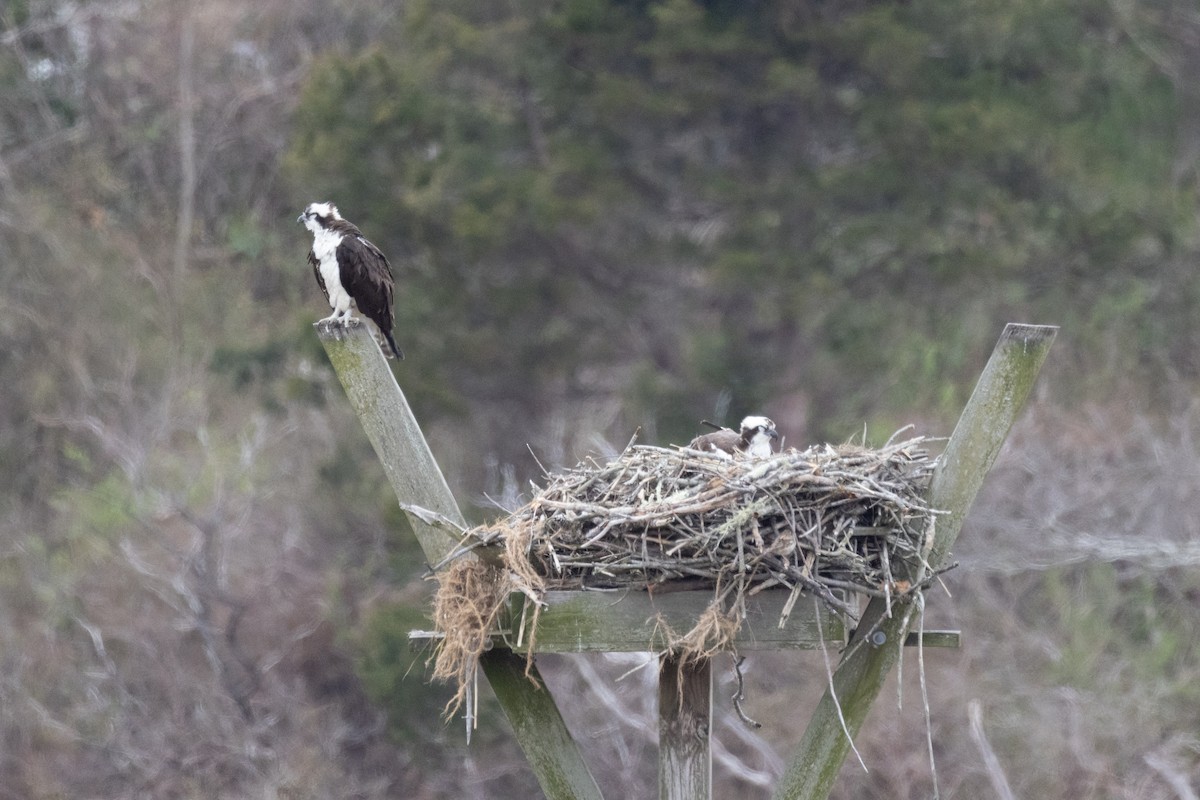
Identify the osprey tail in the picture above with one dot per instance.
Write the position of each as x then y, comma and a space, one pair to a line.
392, 343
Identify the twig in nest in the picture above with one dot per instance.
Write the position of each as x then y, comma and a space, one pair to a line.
739, 695
818, 522
924, 690
837, 704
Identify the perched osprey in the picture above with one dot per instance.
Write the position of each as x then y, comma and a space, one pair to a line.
754, 439
350, 271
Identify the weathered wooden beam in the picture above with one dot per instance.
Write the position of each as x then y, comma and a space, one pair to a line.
426, 499
638, 621
999, 396
393, 431
684, 729
949, 639
989, 414
539, 727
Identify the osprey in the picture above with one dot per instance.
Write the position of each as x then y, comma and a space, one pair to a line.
350, 271
754, 439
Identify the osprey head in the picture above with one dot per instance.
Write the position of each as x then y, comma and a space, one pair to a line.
318, 216
757, 433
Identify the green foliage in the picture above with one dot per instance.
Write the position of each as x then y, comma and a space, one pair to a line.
395, 673
1122, 634
848, 191
1115, 639
96, 515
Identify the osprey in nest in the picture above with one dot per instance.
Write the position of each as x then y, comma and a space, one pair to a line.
754, 438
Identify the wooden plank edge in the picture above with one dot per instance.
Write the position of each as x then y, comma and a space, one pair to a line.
638, 621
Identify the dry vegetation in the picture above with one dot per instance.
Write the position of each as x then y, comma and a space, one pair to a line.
819, 523
200, 568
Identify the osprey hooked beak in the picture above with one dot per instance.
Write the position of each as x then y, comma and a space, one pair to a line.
300, 219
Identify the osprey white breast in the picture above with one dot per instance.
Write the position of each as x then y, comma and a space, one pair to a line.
758, 433
325, 245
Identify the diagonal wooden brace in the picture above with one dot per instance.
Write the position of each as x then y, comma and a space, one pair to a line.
972, 449
430, 507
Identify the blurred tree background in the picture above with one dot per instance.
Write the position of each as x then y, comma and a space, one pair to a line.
605, 216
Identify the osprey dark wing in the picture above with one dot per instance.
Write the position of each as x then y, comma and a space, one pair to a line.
367, 277
725, 441
316, 265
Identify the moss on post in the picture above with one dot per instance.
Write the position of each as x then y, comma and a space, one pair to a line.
539, 728
999, 395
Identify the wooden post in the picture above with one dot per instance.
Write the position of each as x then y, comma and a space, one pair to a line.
389, 423
684, 729
426, 499
989, 414
539, 728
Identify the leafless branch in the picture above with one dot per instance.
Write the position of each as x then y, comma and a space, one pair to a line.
991, 763
1179, 782
187, 160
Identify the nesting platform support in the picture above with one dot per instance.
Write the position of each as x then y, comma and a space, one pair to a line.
998, 398
637, 622
418, 482
684, 728
393, 431
685, 754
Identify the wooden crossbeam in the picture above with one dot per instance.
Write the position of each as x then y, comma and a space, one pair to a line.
638, 621
509, 638
951, 639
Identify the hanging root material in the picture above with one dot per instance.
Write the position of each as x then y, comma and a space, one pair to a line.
469, 598
821, 522
713, 633
739, 694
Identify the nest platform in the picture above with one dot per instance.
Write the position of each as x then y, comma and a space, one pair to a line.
819, 519
828, 522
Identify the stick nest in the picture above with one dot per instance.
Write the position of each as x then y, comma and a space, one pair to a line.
823, 521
